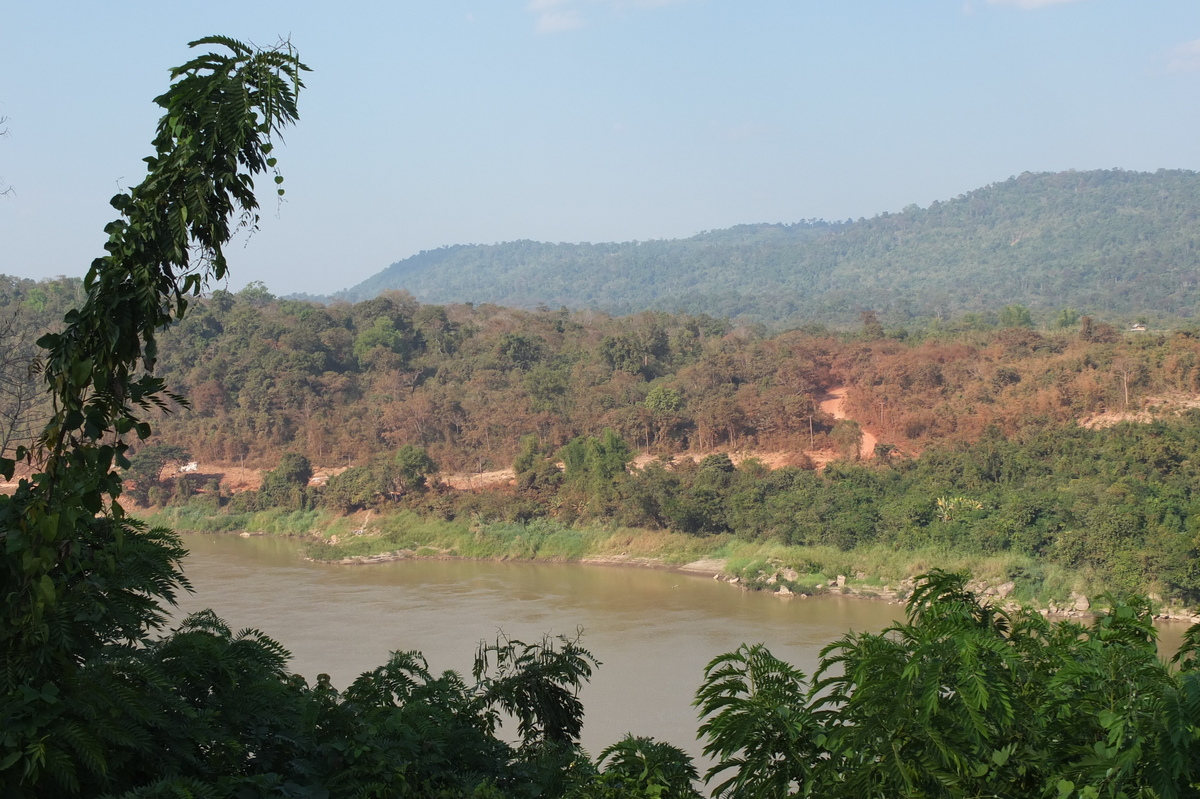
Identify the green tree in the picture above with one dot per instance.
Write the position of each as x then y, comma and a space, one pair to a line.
145, 467
411, 466
640, 767
848, 436
1066, 318
1015, 316
759, 730
354, 489
382, 344
962, 699
83, 582
872, 328
662, 401
522, 351
286, 486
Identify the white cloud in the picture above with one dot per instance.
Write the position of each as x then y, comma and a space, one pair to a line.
558, 21
1027, 4
1184, 57
555, 16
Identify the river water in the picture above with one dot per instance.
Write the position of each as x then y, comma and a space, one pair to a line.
653, 630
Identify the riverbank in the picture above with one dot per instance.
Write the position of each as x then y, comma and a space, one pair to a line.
874, 572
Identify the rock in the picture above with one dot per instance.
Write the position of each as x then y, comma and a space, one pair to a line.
791, 575
771, 580
1004, 589
841, 581
333, 539
783, 591
734, 580
1081, 602
716, 577
819, 586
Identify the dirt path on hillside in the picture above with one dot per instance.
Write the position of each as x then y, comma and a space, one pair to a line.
235, 477
834, 404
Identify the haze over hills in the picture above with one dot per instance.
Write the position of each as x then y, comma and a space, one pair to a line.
1112, 242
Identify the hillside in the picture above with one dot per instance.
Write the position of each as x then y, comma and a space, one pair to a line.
1110, 242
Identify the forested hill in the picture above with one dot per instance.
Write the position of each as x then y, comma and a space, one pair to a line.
1109, 242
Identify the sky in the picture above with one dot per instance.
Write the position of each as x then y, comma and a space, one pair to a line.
427, 123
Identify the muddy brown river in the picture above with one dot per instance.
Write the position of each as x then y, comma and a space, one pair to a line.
653, 630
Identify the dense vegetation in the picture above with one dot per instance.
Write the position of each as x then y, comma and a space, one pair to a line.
347, 382
960, 700
980, 450
1111, 242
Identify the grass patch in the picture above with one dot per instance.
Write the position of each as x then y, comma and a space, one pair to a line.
199, 519
754, 562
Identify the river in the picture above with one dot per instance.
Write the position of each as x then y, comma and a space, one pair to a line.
653, 630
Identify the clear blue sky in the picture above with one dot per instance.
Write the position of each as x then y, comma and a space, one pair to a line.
433, 122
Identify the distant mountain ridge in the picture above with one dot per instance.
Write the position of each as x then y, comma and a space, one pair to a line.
1106, 241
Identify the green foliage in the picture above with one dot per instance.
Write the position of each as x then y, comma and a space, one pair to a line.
537, 684
595, 461
286, 486
145, 467
534, 469
1016, 316
1066, 318
1039, 240
960, 700
379, 340
757, 725
412, 465
82, 583
357, 488
662, 400
521, 351
640, 767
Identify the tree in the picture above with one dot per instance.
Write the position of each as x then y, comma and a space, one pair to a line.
521, 350
848, 436
758, 728
20, 392
82, 581
286, 485
411, 466
962, 699
1015, 316
145, 467
1066, 318
663, 401
641, 767
872, 329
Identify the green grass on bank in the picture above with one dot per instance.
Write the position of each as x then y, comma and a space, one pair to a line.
334, 537
198, 518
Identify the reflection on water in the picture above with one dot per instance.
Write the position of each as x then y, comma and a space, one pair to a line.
653, 631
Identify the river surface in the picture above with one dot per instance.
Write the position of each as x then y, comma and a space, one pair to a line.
653, 630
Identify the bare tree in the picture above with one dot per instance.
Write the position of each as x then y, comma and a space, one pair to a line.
21, 394
4, 188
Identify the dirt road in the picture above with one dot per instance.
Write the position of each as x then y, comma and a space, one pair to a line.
834, 404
